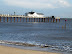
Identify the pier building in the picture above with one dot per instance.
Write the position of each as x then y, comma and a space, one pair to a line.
34, 14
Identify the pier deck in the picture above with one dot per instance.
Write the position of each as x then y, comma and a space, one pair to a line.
19, 18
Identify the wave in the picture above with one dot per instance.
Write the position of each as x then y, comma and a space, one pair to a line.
52, 47
23, 43
16, 43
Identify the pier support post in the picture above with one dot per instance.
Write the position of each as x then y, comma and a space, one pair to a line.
29, 19
14, 19
39, 19
59, 20
17, 19
7, 19
26, 19
34, 19
48, 19
11, 19
56, 20
53, 20
23, 19
44, 19
3, 19
20, 19
0, 18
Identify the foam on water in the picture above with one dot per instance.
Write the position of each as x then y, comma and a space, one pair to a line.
61, 48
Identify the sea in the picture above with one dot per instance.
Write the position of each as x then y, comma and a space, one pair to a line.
41, 36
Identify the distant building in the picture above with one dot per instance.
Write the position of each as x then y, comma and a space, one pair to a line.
34, 14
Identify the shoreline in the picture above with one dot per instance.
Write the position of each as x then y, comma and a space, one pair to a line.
12, 50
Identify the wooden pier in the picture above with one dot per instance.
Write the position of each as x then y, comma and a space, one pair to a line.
27, 19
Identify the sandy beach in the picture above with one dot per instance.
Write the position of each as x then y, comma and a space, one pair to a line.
11, 50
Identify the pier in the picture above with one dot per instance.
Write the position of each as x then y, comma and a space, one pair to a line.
18, 18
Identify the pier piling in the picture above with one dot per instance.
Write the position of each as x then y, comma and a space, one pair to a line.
20, 19
44, 19
59, 20
23, 19
26, 19
7, 19
29, 19
34, 19
48, 19
56, 20
3, 19
14, 19
11, 19
0, 18
39, 19
53, 20
17, 19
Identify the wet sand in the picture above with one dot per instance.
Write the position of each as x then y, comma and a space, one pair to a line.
11, 50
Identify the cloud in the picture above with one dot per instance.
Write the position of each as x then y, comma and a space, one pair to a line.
63, 3
38, 3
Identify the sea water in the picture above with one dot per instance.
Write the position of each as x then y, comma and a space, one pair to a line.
45, 36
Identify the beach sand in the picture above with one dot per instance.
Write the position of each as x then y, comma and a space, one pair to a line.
11, 50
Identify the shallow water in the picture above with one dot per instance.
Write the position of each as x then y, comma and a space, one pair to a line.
54, 35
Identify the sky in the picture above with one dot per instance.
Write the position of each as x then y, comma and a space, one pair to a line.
61, 8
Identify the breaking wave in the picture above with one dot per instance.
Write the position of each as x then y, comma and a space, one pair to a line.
52, 47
